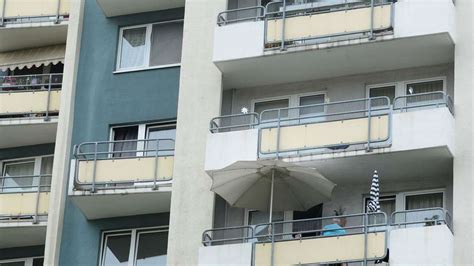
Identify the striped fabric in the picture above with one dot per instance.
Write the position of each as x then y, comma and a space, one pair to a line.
374, 205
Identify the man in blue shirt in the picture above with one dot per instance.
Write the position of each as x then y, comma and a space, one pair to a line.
336, 228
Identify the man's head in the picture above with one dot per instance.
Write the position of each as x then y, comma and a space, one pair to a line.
340, 221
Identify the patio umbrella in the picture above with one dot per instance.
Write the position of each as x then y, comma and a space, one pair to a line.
374, 204
271, 185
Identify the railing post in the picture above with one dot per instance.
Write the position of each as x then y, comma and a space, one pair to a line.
278, 135
94, 168
372, 5
35, 218
272, 259
366, 217
58, 8
155, 173
48, 100
369, 122
283, 20
2, 17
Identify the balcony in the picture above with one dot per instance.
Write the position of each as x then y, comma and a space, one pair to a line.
365, 238
326, 39
134, 175
29, 104
24, 205
27, 24
334, 137
112, 8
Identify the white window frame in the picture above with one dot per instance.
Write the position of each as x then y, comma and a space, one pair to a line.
28, 261
37, 164
315, 93
133, 240
146, 65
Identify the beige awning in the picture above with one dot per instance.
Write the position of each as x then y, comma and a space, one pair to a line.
32, 57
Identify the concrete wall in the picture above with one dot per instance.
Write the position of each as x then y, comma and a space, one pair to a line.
235, 254
463, 161
192, 202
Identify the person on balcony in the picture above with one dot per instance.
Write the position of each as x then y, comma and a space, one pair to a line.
336, 228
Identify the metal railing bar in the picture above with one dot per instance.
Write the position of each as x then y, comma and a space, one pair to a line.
222, 20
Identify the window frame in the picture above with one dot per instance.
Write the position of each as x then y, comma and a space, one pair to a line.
133, 232
143, 130
148, 35
28, 260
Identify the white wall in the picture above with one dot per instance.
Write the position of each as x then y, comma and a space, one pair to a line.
431, 245
239, 40
224, 149
421, 17
234, 254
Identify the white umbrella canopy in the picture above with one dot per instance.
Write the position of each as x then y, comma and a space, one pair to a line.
248, 184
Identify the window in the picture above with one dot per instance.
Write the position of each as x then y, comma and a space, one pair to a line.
424, 87
261, 106
126, 136
135, 247
387, 205
423, 201
26, 174
150, 45
259, 217
123, 137
387, 91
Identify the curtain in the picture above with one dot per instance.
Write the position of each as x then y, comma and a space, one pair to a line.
133, 48
388, 91
46, 171
422, 202
166, 43
262, 106
125, 133
310, 100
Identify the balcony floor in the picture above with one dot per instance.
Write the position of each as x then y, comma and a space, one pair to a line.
22, 234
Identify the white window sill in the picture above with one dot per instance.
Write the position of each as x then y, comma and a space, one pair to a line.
145, 68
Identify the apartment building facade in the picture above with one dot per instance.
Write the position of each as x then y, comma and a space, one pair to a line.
176, 113
32, 55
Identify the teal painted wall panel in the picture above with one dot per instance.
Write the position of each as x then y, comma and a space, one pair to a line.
21, 252
26, 151
104, 99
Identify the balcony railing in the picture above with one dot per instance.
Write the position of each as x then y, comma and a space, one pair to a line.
292, 24
328, 127
30, 95
123, 164
24, 198
26, 11
287, 242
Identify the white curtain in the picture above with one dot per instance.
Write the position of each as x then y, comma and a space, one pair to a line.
18, 170
133, 48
